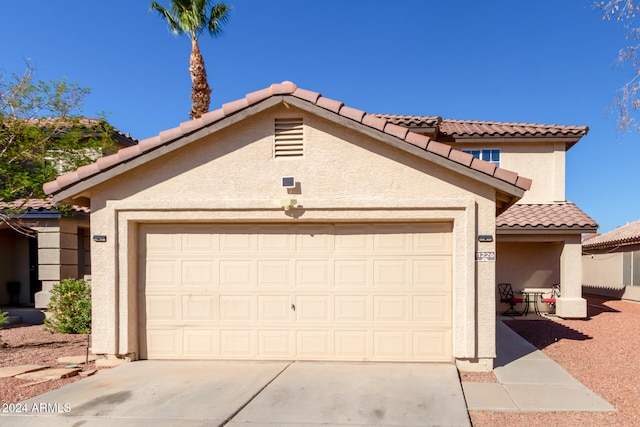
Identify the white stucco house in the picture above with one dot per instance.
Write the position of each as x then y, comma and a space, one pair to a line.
288, 226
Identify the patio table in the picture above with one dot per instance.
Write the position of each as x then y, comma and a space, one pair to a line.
533, 295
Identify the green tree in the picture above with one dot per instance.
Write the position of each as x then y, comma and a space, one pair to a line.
42, 136
192, 17
627, 99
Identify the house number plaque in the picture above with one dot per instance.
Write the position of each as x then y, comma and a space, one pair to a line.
485, 256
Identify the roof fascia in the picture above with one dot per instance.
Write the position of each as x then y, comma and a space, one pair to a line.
82, 188
545, 230
404, 146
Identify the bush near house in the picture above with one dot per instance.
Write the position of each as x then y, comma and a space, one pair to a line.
4, 318
70, 307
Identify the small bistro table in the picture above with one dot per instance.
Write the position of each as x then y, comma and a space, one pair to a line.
533, 295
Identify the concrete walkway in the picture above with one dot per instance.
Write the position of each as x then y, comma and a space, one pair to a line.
530, 381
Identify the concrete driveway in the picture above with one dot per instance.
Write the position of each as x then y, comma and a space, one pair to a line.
251, 394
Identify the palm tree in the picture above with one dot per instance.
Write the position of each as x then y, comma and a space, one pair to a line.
190, 17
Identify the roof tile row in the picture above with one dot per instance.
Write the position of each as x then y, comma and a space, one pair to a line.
626, 235
545, 216
378, 122
471, 128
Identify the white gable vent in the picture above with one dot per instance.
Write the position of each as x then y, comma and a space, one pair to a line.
289, 141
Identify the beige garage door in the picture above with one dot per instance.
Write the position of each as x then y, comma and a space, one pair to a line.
379, 292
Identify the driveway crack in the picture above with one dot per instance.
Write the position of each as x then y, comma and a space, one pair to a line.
232, 416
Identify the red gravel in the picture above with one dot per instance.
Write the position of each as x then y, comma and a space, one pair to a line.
32, 345
602, 352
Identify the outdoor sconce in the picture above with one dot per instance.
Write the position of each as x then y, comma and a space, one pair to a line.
485, 238
100, 238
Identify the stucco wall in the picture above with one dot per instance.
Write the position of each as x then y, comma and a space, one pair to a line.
343, 176
613, 273
528, 264
543, 162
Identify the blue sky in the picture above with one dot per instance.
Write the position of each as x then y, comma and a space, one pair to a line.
542, 61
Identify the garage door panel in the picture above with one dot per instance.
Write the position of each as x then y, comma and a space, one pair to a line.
435, 309
162, 273
237, 273
274, 308
390, 345
351, 344
237, 343
379, 292
390, 308
314, 239
199, 273
432, 273
200, 240
313, 273
236, 239
432, 238
275, 343
198, 308
237, 308
276, 238
164, 343
313, 344
313, 308
352, 308
390, 273
163, 308
201, 343
351, 273
432, 345
391, 241
351, 238
276, 273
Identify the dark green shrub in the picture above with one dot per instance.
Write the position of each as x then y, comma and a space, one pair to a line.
4, 318
69, 310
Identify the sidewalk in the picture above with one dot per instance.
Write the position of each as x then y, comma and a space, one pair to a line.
529, 381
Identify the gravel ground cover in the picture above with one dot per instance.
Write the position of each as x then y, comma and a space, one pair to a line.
602, 352
32, 345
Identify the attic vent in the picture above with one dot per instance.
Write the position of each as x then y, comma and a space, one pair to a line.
288, 138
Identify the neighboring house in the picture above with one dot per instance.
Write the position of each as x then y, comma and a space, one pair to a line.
286, 225
611, 263
40, 245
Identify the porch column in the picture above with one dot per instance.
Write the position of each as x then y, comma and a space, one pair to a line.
571, 304
57, 256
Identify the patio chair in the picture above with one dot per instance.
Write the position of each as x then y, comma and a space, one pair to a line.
506, 296
551, 300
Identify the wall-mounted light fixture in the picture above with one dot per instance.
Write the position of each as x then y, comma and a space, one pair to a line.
100, 238
485, 238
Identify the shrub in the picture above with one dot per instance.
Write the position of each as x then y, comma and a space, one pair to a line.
70, 308
4, 318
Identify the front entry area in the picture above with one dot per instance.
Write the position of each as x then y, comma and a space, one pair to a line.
339, 292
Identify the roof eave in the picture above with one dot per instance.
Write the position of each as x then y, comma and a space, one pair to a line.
530, 229
71, 192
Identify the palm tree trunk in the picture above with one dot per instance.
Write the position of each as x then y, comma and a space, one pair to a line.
200, 90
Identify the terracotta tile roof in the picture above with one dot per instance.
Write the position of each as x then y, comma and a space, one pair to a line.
448, 129
552, 216
286, 89
626, 235
412, 121
38, 205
